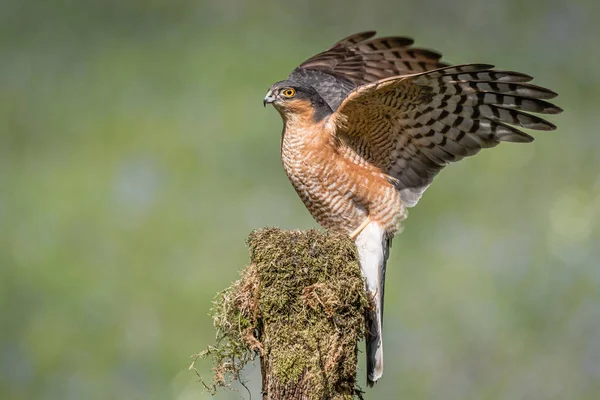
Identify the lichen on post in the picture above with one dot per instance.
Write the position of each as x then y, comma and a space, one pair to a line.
300, 306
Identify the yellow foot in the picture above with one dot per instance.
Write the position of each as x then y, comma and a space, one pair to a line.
358, 230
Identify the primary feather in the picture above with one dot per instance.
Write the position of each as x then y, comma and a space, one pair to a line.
354, 61
412, 126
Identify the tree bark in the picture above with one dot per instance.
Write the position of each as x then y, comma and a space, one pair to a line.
310, 313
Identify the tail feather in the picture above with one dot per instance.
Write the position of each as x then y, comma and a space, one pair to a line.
373, 249
374, 342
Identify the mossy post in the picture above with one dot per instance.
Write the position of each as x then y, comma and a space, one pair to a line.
300, 306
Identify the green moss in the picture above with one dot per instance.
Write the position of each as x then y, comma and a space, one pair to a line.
300, 305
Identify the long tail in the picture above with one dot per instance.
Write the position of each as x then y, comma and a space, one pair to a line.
373, 250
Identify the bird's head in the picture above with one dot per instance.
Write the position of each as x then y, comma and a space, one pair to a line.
293, 99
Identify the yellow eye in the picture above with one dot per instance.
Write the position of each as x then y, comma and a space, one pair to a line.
289, 92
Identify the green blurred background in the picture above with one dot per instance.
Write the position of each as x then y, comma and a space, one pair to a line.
136, 156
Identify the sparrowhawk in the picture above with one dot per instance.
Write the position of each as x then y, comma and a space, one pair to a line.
368, 124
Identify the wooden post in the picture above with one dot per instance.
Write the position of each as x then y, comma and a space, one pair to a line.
300, 306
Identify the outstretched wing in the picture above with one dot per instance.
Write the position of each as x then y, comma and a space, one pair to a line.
411, 127
356, 60
361, 61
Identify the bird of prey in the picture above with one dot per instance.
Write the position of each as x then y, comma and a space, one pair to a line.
368, 124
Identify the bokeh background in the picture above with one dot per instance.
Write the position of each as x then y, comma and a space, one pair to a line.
136, 156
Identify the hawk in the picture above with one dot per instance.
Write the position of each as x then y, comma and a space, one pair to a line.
369, 123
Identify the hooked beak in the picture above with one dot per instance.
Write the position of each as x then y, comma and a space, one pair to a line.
269, 98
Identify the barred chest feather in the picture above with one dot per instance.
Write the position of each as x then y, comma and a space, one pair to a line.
338, 187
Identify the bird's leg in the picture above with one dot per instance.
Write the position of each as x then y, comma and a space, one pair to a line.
358, 230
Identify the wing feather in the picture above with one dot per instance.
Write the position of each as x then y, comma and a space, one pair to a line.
360, 59
412, 126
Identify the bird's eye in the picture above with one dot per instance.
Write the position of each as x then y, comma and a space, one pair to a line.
289, 92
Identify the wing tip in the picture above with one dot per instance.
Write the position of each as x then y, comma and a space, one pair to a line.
551, 94
516, 136
548, 126
357, 37
553, 110
369, 33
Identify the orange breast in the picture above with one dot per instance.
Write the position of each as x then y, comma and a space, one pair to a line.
337, 185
